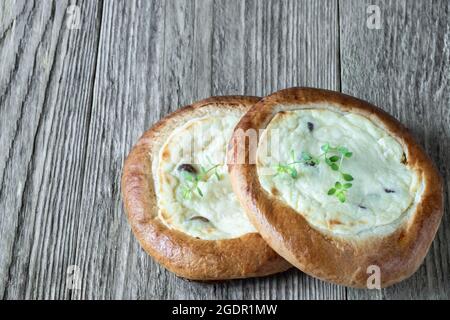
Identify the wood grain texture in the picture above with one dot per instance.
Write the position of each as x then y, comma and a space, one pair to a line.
404, 68
73, 102
46, 78
127, 96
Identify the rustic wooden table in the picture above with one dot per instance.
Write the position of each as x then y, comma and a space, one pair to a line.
75, 94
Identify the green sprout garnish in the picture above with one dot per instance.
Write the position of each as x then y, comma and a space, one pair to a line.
334, 161
192, 179
288, 168
334, 157
309, 159
340, 190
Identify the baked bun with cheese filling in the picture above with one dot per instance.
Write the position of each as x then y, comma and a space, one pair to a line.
336, 186
179, 200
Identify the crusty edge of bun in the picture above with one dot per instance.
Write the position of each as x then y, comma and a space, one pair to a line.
186, 256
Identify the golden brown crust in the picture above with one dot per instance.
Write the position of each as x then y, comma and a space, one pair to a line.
186, 256
342, 260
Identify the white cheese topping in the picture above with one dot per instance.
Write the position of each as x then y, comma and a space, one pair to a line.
383, 187
217, 214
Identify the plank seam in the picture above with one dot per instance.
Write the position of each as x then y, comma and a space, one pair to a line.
211, 62
339, 71
89, 118
164, 63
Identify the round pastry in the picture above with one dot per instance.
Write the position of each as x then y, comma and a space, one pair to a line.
336, 186
179, 199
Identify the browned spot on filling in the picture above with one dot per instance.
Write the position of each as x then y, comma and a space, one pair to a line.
166, 154
282, 114
333, 222
275, 191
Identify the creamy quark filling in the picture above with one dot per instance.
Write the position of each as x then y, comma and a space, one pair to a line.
192, 182
340, 171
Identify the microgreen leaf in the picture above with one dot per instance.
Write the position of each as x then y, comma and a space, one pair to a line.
342, 150
280, 168
288, 168
191, 180
334, 158
347, 177
325, 147
293, 173
308, 159
186, 192
341, 196
188, 176
306, 156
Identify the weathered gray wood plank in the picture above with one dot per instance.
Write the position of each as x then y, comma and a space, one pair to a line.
128, 95
46, 72
404, 68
